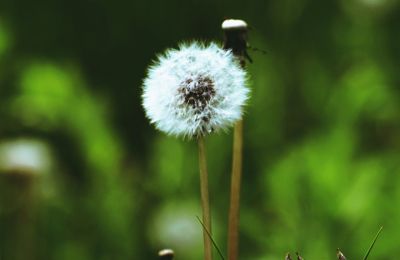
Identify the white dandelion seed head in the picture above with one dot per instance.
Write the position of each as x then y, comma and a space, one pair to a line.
194, 90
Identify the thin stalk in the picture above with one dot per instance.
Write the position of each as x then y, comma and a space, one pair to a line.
205, 203
212, 240
372, 244
233, 226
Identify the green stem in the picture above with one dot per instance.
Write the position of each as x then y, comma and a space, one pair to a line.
212, 240
372, 244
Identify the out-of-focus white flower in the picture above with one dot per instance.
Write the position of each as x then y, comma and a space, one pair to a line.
194, 90
24, 156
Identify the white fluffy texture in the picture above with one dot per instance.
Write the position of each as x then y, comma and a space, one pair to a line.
162, 90
233, 23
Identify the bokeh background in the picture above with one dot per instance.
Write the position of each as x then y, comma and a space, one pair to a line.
84, 176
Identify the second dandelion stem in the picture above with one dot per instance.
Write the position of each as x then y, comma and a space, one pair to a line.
233, 229
235, 40
205, 203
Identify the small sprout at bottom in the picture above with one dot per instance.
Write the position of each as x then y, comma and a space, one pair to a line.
340, 255
299, 257
166, 254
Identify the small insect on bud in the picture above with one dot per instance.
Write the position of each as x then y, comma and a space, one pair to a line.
235, 38
288, 257
166, 254
340, 255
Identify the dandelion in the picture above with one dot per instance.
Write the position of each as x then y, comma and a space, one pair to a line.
194, 90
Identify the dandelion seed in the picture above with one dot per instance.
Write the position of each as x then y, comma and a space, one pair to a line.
194, 90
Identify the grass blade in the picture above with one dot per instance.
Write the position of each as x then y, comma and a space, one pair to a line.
212, 240
372, 244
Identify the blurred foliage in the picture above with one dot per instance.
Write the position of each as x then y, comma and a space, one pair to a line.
322, 131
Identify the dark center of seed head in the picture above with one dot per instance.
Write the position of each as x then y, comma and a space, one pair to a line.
197, 92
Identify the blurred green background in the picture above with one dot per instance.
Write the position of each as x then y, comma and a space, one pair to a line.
84, 176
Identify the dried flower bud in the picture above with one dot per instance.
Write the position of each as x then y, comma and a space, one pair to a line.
194, 90
288, 257
235, 38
